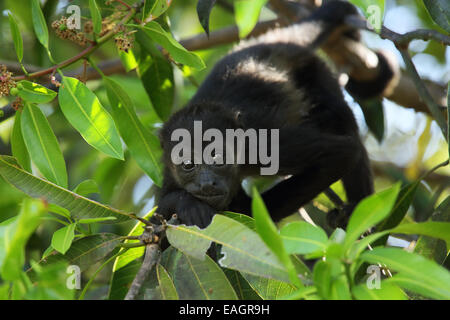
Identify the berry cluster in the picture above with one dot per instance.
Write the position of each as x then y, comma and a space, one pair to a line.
63, 31
6, 83
108, 24
124, 42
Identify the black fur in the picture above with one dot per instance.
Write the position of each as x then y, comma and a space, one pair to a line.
277, 82
363, 90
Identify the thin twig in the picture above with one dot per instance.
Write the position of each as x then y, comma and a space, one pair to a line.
124, 4
397, 38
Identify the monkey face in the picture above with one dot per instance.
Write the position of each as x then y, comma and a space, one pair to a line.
215, 184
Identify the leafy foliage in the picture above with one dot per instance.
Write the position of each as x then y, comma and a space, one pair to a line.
74, 183
440, 12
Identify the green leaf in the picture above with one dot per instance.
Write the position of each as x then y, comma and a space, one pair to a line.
62, 238
87, 187
176, 50
14, 235
35, 93
39, 24
83, 110
59, 210
360, 245
415, 273
269, 233
204, 8
96, 16
242, 288
156, 74
86, 251
322, 278
79, 206
303, 271
197, 279
386, 291
244, 219
430, 247
122, 278
269, 289
154, 8
242, 248
16, 36
18, 147
128, 60
246, 14
168, 290
374, 115
303, 238
439, 11
42, 145
144, 146
433, 229
47, 252
340, 289
158, 286
329, 280
369, 212
404, 200
338, 236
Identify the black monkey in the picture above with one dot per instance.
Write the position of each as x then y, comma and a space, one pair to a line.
272, 82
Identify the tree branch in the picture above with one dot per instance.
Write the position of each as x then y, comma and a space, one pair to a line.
397, 38
152, 253
152, 235
351, 56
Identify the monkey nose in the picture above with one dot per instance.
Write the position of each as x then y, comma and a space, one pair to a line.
208, 188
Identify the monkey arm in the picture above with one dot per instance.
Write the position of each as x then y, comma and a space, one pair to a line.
190, 210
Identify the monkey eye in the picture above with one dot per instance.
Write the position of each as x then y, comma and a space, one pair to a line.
188, 165
218, 160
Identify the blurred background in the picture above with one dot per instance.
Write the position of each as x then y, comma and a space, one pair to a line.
412, 142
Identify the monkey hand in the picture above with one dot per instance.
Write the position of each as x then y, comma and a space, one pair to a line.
190, 210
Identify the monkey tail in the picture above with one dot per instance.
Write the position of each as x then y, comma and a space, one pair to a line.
313, 31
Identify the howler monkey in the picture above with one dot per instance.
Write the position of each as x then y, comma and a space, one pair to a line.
272, 82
